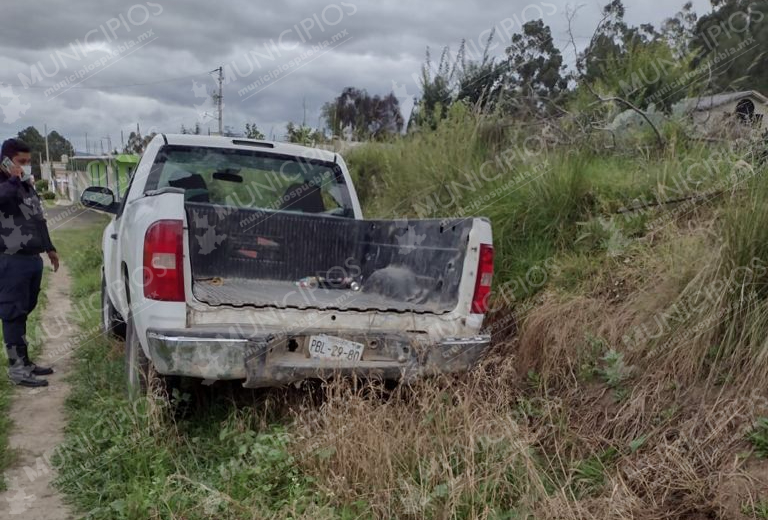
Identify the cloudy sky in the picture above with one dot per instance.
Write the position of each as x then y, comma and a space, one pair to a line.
102, 67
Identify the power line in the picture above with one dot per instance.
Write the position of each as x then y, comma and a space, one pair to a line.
104, 87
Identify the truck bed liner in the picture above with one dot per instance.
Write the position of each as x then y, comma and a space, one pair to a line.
251, 257
240, 292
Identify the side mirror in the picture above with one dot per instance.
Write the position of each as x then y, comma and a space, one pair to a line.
99, 198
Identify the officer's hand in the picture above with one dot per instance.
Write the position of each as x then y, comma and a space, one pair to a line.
53, 256
16, 171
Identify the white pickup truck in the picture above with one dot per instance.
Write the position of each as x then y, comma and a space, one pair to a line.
237, 259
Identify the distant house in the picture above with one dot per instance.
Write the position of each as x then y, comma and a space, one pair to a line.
727, 112
111, 171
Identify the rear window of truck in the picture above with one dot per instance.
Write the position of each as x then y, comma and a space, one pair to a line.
252, 179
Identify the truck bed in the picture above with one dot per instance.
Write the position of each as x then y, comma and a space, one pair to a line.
241, 292
247, 257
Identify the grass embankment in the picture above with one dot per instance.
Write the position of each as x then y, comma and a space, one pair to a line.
6, 388
630, 382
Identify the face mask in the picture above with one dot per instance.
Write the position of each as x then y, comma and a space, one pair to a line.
27, 175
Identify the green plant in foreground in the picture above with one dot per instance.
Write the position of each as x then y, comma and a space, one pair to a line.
759, 510
604, 235
589, 367
759, 437
589, 474
615, 373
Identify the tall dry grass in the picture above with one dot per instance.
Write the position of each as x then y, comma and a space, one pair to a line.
624, 394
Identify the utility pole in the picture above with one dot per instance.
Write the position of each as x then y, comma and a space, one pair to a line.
219, 99
87, 150
122, 141
47, 157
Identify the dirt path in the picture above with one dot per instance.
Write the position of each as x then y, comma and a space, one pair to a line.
39, 419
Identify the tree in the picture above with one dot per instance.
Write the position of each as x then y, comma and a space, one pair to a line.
438, 88
639, 65
679, 30
732, 40
137, 144
58, 145
535, 66
606, 43
363, 116
481, 83
298, 134
252, 132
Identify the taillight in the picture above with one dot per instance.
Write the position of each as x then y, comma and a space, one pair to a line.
164, 261
484, 279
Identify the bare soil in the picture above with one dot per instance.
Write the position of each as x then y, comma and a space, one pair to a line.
39, 418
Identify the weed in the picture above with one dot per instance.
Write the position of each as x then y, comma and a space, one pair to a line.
590, 357
759, 437
757, 510
615, 373
604, 235
589, 474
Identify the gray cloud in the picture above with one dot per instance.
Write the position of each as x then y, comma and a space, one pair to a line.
385, 42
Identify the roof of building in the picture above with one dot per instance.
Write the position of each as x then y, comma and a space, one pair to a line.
709, 102
127, 158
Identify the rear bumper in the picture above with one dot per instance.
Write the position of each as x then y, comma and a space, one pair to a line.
272, 360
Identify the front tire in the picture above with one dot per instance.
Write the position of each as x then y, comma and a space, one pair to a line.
112, 323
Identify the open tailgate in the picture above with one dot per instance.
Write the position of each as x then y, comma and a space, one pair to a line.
243, 257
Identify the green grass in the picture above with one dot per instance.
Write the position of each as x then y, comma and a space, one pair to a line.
759, 510
540, 201
124, 461
759, 437
253, 454
6, 388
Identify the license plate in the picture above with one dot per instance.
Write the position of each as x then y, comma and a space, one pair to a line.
331, 347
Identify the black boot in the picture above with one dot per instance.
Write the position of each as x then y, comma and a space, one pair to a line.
19, 373
36, 370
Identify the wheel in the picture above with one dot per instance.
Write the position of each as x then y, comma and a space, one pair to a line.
111, 322
140, 376
137, 365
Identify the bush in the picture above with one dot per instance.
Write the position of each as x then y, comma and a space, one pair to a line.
759, 437
41, 186
48, 195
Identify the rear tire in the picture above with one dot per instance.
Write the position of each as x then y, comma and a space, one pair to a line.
112, 323
136, 364
141, 379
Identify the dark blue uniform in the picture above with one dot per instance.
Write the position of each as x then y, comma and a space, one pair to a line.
23, 236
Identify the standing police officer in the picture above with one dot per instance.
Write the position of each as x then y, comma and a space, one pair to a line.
23, 236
